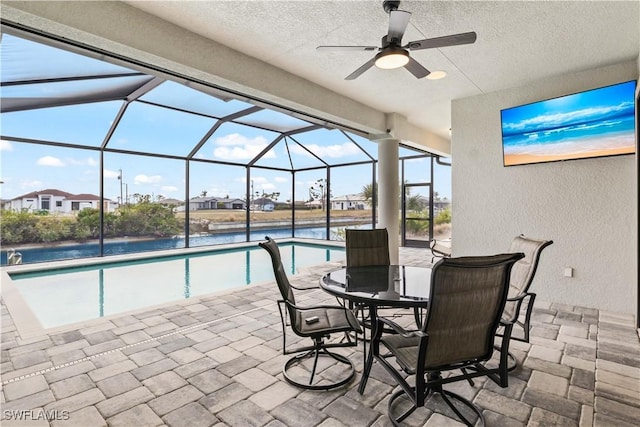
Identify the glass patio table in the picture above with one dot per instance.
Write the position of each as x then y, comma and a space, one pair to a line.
396, 286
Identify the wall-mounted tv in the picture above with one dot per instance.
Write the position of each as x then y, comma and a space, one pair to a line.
594, 123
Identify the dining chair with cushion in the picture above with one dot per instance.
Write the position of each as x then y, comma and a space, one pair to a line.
519, 305
466, 301
315, 322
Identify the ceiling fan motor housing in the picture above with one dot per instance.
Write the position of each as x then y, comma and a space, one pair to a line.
389, 5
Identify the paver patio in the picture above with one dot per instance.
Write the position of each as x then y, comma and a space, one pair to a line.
216, 360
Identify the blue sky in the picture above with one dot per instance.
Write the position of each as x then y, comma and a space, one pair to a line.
30, 167
164, 129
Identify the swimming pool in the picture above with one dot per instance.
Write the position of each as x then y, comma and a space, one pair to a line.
78, 293
123, 246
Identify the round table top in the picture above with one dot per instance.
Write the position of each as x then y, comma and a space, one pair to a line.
393, 285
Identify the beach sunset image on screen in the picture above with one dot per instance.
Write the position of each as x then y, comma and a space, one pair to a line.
593, 123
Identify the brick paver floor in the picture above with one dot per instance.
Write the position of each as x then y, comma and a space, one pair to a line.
216, 361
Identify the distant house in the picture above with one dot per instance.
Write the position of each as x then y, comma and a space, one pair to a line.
263, 204
349, 202
57, 201
171, 202
207, 203
441, 205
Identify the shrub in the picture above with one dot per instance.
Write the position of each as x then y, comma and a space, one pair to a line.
444, 217
18, 227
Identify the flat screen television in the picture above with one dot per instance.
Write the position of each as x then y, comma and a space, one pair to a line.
594, 123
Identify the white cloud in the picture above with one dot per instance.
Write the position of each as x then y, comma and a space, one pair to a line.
169, 188
238, 147
30, 184
334, 151
267, 186
280, 179
111, 174
5, 145
89, 161
50, 161
146, 179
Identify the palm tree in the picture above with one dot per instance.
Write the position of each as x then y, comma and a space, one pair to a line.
367, 193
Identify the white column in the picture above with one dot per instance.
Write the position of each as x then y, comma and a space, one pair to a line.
388, 193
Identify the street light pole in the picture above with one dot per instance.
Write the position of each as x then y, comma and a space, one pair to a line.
120, 179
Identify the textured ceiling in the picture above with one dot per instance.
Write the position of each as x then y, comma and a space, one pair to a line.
518, 42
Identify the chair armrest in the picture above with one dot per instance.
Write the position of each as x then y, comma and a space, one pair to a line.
316, 307
439, 249
399, 329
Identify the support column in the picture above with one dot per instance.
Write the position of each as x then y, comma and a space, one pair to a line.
388, 193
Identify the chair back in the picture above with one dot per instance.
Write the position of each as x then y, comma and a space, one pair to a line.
367, 247
467, 298
524, 270
278, 270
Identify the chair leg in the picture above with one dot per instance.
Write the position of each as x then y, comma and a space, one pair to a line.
317, 351
397, 420
448, 398
513, 362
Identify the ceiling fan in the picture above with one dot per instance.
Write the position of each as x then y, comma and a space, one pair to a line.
393, 54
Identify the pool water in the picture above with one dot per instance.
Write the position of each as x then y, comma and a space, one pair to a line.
74, 294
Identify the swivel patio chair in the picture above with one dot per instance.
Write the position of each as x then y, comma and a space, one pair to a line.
315, 322
467, 298
519, 306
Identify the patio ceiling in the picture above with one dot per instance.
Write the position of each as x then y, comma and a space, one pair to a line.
518, 42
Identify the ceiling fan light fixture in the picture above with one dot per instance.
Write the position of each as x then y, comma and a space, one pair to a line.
437, 75
391, 58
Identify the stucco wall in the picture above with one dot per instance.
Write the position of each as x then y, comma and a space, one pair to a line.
587, 207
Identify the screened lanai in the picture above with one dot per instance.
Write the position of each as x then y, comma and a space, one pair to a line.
103, 157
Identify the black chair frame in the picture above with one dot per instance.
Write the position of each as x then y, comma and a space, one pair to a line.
434, 381
318, 349
429, 380
332, 319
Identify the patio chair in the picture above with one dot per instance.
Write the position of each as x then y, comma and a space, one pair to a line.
315, 322
466, 302
516, 311
367, 247
440, 248
370, 248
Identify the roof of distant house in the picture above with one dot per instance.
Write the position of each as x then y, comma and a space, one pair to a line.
262, 201
48, 192
58, 193
350, 198
171, 202
217, 199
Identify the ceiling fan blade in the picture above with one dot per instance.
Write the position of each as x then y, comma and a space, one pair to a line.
452, 40
398, 21
370, 63
347, 48
416, 69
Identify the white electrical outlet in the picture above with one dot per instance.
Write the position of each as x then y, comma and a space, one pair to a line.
568, 272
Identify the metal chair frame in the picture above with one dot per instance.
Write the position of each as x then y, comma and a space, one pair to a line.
287, 305
430, 381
